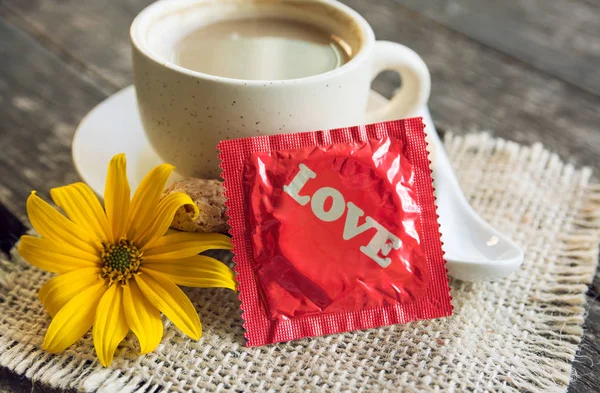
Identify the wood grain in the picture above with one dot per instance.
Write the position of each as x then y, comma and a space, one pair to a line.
475, 87
585, 376
490, 65
41, 105
92, 33
559, 37
9, 383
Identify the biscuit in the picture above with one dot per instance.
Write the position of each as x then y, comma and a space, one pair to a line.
209, 196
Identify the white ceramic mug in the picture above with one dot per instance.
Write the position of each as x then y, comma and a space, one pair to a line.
186, 113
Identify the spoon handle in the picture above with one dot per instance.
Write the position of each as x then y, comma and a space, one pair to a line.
473, 249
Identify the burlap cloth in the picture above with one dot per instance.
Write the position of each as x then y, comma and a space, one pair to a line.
517, 334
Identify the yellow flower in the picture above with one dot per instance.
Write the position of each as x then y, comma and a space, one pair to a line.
117, 268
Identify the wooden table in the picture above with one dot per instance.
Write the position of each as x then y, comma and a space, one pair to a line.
527, 69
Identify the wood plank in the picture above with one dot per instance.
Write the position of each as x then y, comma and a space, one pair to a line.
560, 37
586, 375
10, 230
42, 101
94, 34
14, 193
11, 383
475, 87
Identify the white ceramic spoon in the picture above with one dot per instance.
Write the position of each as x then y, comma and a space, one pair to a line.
474, 249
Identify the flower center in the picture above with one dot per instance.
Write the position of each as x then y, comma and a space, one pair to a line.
121, 261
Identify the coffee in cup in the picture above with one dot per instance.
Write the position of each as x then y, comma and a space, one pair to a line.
261, 49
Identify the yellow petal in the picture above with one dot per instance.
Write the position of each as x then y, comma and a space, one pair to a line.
166, 210
198, 271
116, 197
146, 199
171, 301
184, 244
81, 205
55, 257
52, 225
110, 326
74, 319
142, 317
58, 291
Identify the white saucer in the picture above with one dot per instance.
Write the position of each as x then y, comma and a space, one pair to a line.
114, 126
474, 250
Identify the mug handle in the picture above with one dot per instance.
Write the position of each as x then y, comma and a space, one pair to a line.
416, 82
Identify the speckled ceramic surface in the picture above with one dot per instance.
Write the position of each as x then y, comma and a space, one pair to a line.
185, 113
114, 126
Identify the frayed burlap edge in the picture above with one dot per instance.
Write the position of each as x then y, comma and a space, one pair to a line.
564, 304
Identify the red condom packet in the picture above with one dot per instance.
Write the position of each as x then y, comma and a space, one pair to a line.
334, 230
